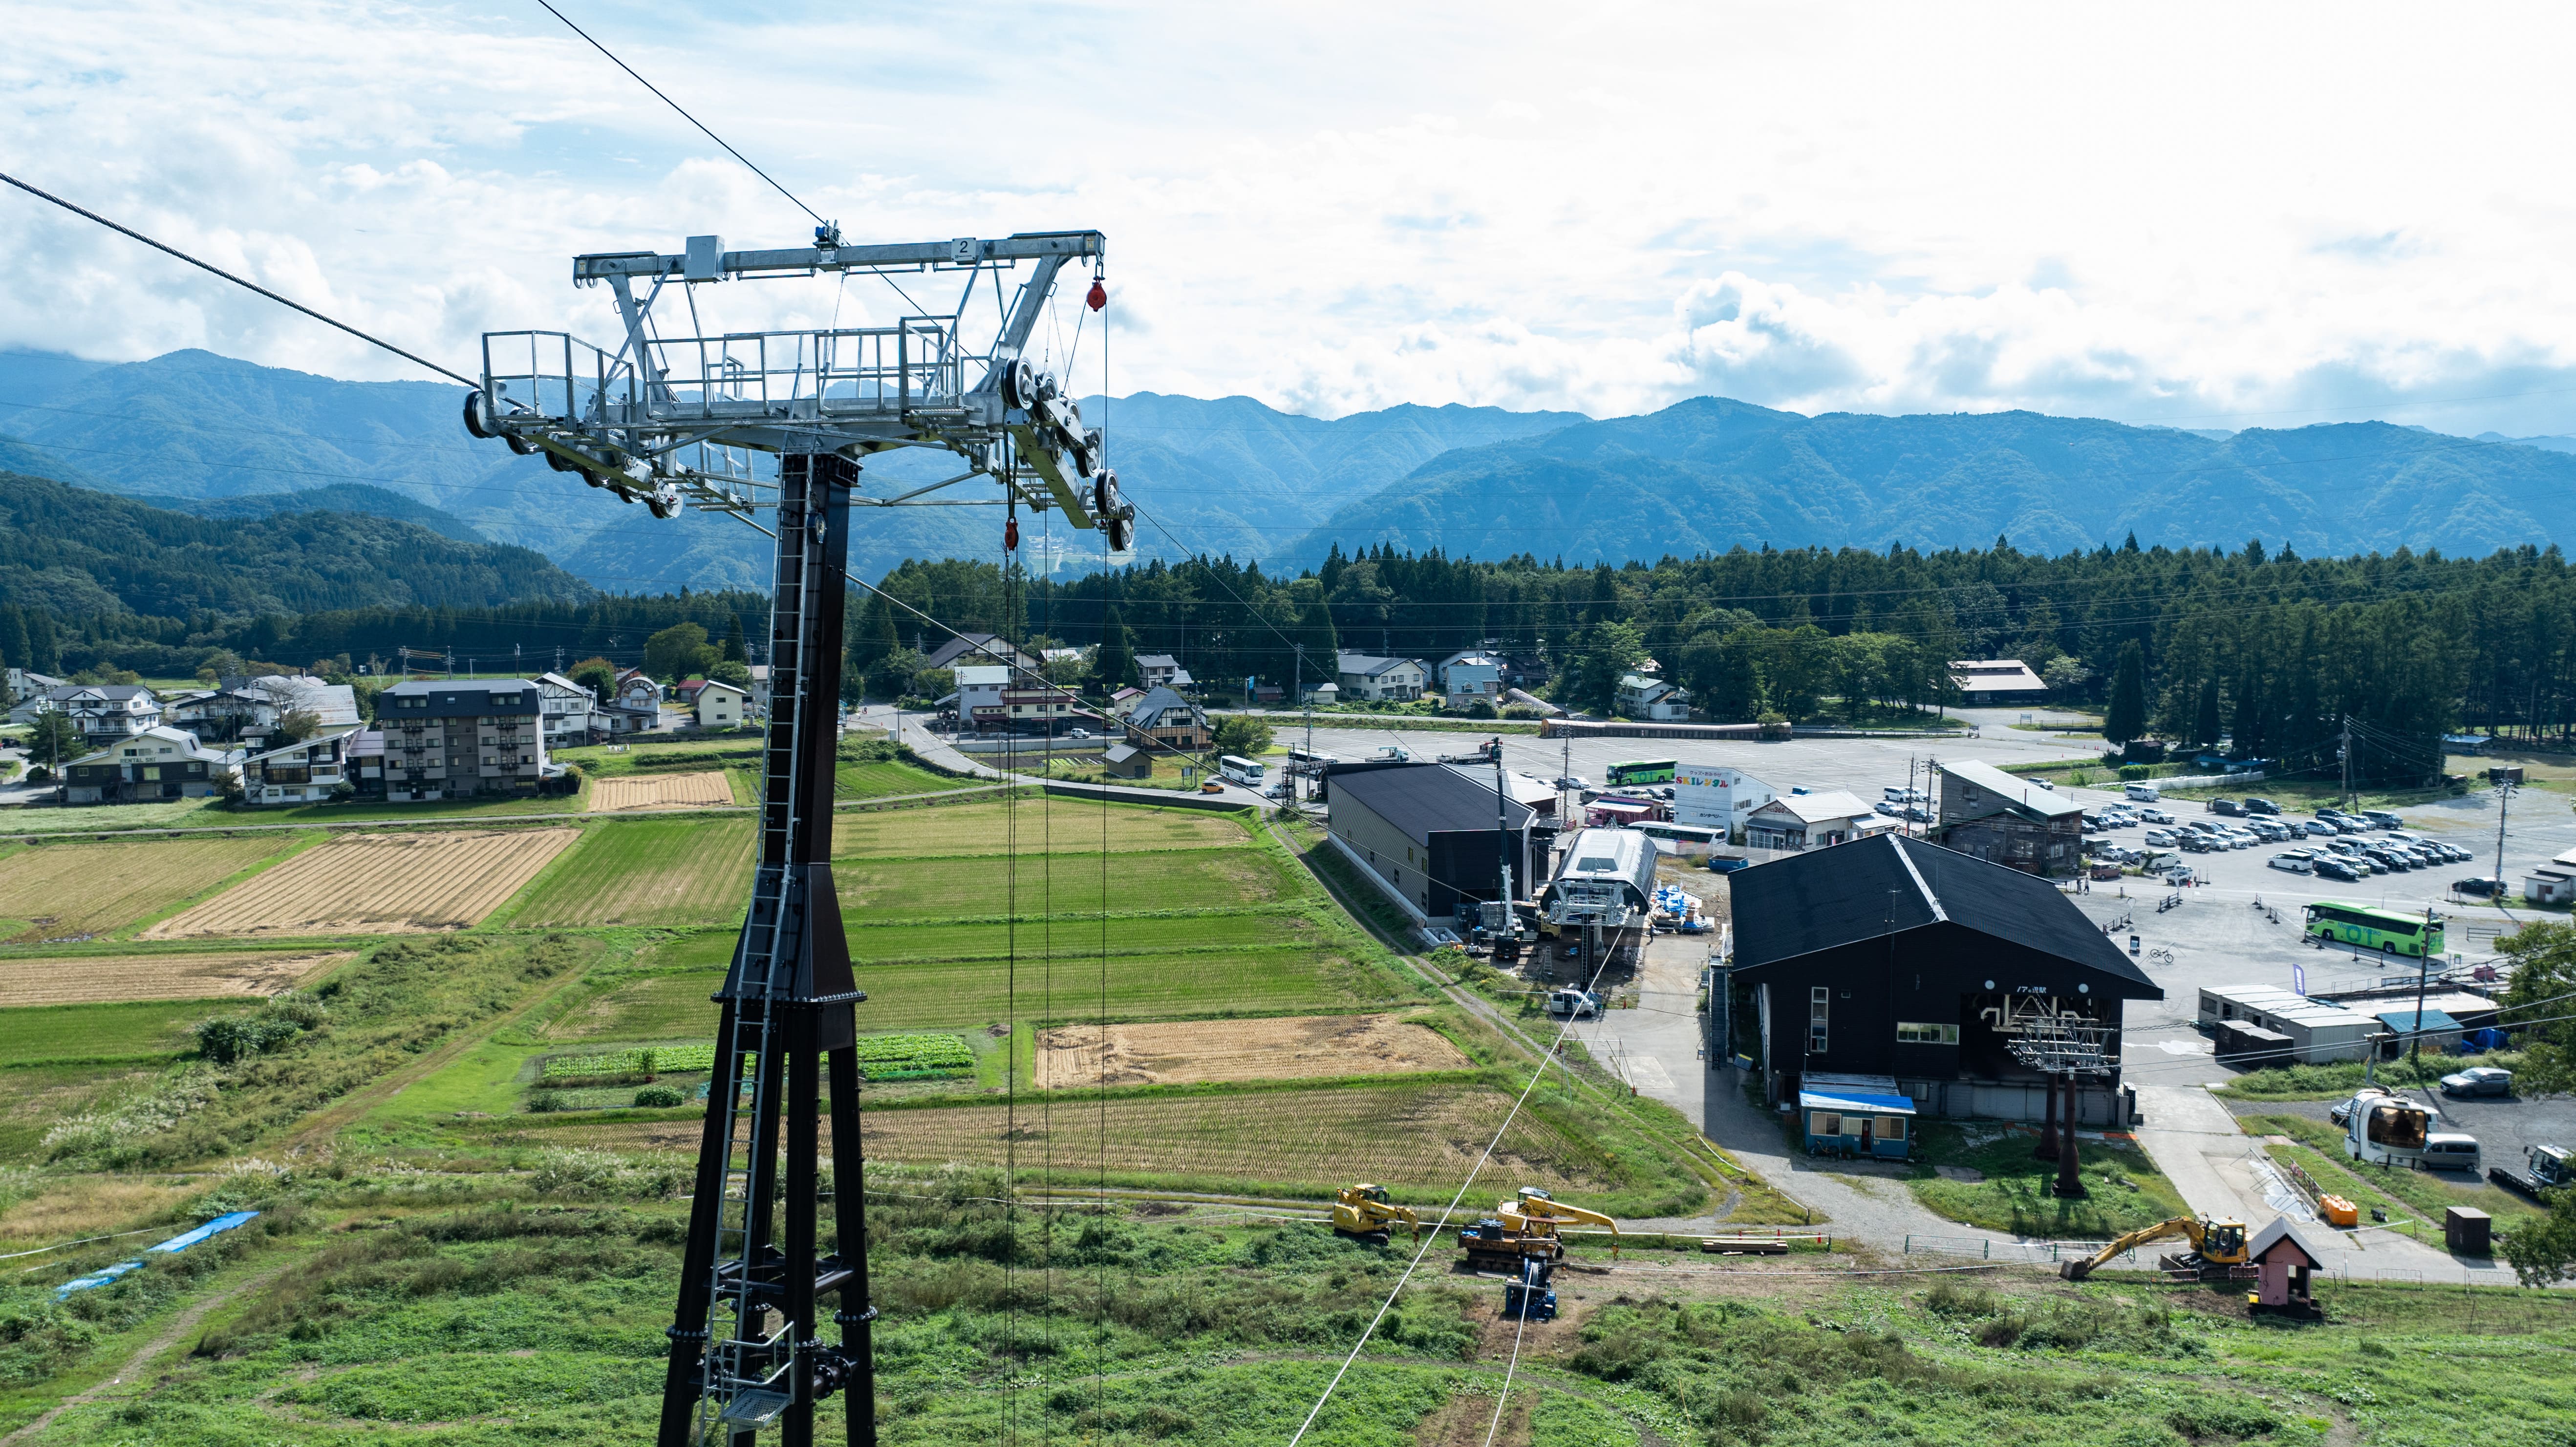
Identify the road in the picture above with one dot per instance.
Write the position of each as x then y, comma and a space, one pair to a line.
914, 731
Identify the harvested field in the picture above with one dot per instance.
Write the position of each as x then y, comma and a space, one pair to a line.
661, 791
669, 872
99, 978
1188, 1052
1045, 825
66, 891
888, 944
1407, 1134
964, 994
378, 884
949, 889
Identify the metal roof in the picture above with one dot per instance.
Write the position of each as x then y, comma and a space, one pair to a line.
1425, 799
2031, 797
1824, 899
1819, 808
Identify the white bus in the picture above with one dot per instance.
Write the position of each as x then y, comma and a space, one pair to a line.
1240, 770
1673, 838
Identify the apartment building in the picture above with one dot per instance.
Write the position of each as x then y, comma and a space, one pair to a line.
458, 739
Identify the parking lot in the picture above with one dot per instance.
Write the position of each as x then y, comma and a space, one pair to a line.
2504, 1128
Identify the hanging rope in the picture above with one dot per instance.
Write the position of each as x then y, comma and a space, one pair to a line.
1010, 1039
1099, 1290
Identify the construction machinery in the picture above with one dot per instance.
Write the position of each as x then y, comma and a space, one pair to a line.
1524, 1230
1528, 1298
1364, 1212
2549, 1168
2217, 1248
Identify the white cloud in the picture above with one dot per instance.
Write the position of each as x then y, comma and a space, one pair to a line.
2208, 215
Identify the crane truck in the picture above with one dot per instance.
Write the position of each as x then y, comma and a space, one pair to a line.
1524, 1229
1364, 1212
2217, 1247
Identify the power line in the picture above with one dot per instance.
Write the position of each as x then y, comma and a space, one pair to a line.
684, 115
373, 341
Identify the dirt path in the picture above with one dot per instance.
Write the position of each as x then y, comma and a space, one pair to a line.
182, 1324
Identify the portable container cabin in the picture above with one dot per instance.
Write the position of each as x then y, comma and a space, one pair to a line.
2319, 1031
1856, 1115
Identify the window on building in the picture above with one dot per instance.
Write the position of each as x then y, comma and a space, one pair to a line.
1820, 1004
1824, 1122
1892, 1128
1910, 1032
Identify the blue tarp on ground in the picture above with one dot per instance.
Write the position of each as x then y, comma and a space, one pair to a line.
180, 1242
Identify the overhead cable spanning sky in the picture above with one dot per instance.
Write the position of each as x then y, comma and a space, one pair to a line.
2199, 216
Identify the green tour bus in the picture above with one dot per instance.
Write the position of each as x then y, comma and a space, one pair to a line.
1650, 771
2389, 931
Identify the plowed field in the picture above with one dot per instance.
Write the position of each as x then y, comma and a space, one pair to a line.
156, 977
661, 791
1189, 1051
378, 884
1406, 1134
62, 891
1052, 825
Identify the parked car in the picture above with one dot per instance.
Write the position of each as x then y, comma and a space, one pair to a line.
2160, 839
2383, 819
2195, 844
2317, 829
1077, 733
2333, 867
2479, 887
2449, 1150
2291, 862
1886, 807
2479, 1080
2254, 805
2224, 806
1727, 863
1574, 781
2341, 1113
2155, 816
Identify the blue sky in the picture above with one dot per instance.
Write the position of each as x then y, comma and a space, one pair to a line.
2211, 216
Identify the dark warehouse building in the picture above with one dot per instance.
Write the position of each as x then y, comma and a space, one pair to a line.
1895, 958
1430, 832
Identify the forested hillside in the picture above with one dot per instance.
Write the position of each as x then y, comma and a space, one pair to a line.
143, 571
1710, 474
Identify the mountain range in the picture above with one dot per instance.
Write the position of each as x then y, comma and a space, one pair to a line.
1709, 474
217, 437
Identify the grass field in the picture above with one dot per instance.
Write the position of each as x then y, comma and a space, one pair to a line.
1044, 825
661, 790
142, 1030
1204, 879
71, 891
885, 778
664, 872
36, 980
964, 994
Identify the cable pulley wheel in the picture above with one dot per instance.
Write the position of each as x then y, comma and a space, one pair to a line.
478, 415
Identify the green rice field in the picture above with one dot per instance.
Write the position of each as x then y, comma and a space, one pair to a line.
145, 1030
972, 888
964, 994
666, 872
1043, 825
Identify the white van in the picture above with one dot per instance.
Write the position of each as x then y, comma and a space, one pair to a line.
2160, 839
2144, 793
2450, 1151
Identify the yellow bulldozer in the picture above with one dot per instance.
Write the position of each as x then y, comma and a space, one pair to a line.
2216, 1247
1363, 1211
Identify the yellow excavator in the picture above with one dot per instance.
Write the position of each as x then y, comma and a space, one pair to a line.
2215, 1247
1536, 1213
1365, 1212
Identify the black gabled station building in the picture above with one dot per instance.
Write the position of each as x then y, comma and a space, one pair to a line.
1895, 958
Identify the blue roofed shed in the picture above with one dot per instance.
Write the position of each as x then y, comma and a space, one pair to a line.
1856, 1115
2439, 1031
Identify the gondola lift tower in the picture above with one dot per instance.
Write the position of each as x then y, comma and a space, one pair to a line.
690, 422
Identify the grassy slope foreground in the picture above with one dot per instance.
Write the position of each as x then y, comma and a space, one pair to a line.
441, 1260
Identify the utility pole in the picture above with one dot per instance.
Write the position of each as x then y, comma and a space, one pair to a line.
2347, 759
2423, 973
2506, 786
